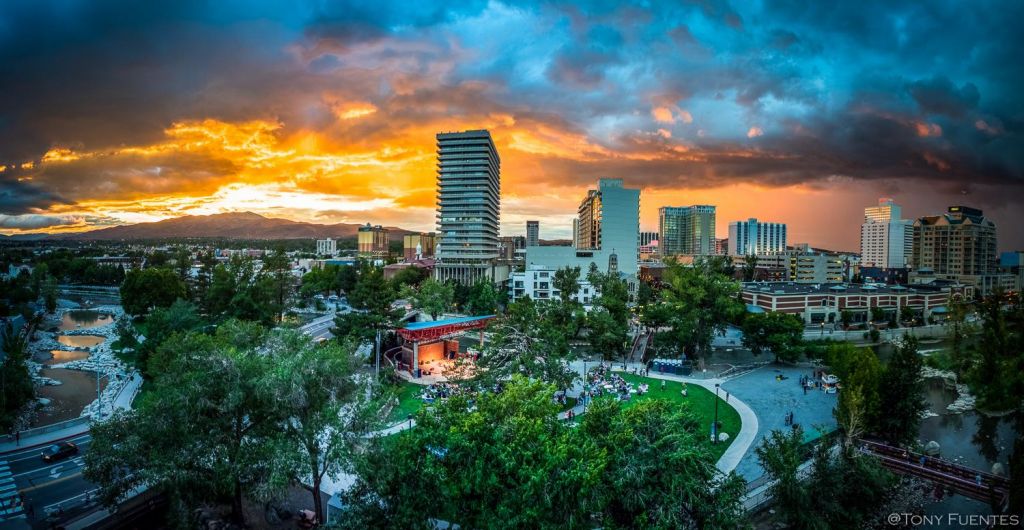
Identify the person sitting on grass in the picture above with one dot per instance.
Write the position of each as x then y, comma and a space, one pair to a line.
684, 390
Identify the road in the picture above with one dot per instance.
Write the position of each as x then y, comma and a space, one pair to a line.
46, 488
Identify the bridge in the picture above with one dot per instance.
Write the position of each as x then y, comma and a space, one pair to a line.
966, 481
640, 344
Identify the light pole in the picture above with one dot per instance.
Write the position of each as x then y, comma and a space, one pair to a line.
584, 394
714, 426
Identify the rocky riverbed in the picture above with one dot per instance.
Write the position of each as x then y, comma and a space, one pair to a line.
79, 401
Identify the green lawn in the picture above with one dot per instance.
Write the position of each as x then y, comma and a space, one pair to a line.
409, 402
700, 401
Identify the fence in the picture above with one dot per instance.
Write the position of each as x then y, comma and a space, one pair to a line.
36, 431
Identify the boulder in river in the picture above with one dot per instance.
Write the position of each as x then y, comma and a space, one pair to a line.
932, 448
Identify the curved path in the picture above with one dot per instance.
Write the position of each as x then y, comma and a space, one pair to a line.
748, 420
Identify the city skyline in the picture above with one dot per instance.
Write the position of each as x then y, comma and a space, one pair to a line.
329, 114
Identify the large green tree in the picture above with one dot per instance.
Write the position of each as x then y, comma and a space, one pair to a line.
901, 394
507, 462
146, 289
432, 297
659, 471
482, 299
277, 268
326, 406
16, 388
781, 454
698, 303
526, 340
779, 333
205, 433
240, 290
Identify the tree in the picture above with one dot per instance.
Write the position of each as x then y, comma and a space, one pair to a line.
506, 462
50, 291
239, 290
877, 314
411, 276
16, 388
846, 317
431, 297
482, 299
524, 341
860, 373
325, 406
749, 267
181, 317
203, 279
605, 334
907, 314
959, 329
995, 370
205, 433
659, 471
146, 289
278, 269
699, 302
780, 333
901, 395
781, 455
567, 282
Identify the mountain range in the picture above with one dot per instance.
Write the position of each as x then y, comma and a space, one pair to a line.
234, 225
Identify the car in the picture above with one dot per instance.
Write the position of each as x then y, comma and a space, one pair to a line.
59, 451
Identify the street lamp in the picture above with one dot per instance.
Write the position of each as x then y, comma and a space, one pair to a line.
714, 426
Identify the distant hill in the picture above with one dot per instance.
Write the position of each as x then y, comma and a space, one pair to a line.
235, 225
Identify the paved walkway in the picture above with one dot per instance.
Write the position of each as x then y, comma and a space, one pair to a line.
771, 399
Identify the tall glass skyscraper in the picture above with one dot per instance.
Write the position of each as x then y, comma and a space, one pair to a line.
886, 240
686, 230
468, 207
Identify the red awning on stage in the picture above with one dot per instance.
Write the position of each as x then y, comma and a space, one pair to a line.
424, 331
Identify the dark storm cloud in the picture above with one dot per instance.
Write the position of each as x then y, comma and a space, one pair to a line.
22, 197
784, 93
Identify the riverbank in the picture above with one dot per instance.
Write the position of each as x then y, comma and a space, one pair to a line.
70, 350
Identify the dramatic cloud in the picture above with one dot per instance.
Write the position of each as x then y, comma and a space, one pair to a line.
126, 111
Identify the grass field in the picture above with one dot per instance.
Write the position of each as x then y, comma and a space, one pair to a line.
409, 402
700, 401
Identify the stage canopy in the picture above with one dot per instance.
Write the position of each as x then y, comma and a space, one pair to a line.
423, 331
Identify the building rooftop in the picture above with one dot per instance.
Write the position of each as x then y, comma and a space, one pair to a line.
838, 288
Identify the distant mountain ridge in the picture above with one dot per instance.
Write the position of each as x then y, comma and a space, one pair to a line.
233, 225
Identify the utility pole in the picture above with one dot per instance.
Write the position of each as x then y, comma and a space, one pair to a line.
714, 426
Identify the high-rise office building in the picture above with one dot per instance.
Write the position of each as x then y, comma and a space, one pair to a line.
688, 230
373, 241
958, 245
469, 207
886, 240
588, 222
610, 243
757, 238
532, 233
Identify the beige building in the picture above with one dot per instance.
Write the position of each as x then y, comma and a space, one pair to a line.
958, 245
373, 241
418, 246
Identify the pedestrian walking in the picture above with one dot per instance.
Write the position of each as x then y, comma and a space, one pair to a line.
17, 438
662, 385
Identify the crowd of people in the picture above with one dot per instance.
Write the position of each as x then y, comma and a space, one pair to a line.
602, 381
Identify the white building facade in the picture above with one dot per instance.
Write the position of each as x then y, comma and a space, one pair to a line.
886, 240
326, 247
753, 237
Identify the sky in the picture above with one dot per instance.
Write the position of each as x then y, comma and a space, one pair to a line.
120, 112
